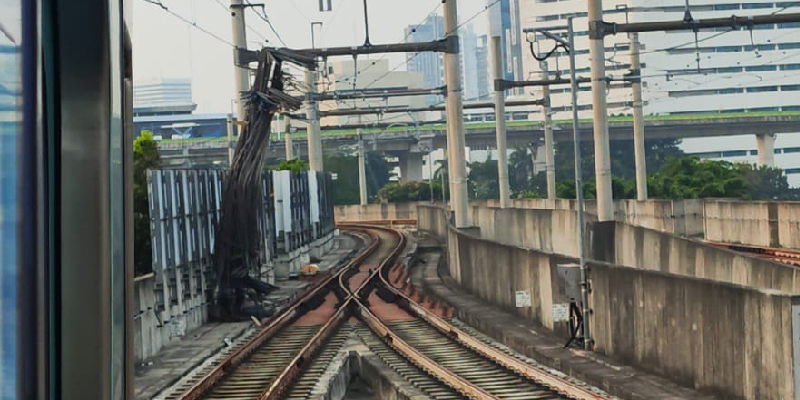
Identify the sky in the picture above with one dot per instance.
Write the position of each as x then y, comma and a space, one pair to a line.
164, 46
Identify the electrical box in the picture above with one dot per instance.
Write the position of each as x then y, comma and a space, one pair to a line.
569, 281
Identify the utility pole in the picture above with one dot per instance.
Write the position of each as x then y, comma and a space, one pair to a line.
576, 134
500, 122
240, 74
638, 120
287, 129
455, 121
312, 114
549, 152
602, 155
362, 167
229, 125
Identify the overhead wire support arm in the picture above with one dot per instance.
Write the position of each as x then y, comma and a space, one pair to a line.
363, 111
306, 57
598, 29
504, 84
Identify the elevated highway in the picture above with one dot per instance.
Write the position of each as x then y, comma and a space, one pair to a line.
409, 139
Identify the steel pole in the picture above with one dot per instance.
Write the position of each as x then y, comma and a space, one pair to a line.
241, 75
287, 129
500, 122
229, 125
585, 310
602, 156
638, 120
549, 143
312, 114
455, 122
362, 167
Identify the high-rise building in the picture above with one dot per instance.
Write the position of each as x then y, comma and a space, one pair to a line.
339, 77
163, 97
483, 70
725, 70
429, 64
505, 21
469, 62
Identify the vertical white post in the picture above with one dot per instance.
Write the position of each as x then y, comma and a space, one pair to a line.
287, 132
229, 125
602, 155
500, 122
362, 167
312, 114
455, 122
638, 120
241, 75
549, 145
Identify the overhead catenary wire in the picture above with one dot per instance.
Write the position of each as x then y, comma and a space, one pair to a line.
187, 21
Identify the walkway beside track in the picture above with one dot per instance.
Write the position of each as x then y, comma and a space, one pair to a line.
617, 379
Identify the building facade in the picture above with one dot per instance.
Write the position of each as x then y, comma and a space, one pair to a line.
429, 64
163, 97
726, 70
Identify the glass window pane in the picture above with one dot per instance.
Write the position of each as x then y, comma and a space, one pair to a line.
10, 133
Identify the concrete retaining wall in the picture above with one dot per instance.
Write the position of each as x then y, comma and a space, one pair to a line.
639, 247
732, 341
759, 223
374, 212
728, 340
165, 315
495, 272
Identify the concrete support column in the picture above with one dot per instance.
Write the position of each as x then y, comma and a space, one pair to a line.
500, 122
410, 167
455, 123
765, 143
602, 154
549, 143
638, 121
287, 132
312, 114
241, 76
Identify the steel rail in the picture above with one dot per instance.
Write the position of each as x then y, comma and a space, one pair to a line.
420, 360
530, 372
409, 352
275, 324
282, 382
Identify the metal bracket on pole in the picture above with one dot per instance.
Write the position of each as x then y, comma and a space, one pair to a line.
599, 29
451, 45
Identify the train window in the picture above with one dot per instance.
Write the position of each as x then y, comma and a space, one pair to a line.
10, 134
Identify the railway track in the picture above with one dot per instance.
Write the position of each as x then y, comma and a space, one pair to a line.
289, 355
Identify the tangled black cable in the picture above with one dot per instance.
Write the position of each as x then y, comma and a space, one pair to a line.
549, 53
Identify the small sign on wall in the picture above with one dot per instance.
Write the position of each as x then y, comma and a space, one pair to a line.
523, 298
560, 312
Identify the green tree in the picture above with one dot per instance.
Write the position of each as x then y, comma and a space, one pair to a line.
482, 179
145, 156
410, 191
345, 187
295, 165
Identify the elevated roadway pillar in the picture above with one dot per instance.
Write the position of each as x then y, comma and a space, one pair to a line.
765, 143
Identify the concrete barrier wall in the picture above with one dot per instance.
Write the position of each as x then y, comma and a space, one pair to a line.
759, 223
374, 212
495, 272
728, 340
547, 230
732, 341
639, 247
162, 316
